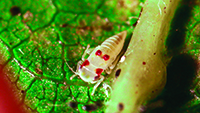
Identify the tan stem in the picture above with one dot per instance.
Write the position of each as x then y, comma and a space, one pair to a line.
143, 73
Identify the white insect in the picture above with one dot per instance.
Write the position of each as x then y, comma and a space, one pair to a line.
103, 58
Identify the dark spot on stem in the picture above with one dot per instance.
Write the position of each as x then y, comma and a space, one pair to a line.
15, 10
143, 63
154, 53
117, 73
120, 106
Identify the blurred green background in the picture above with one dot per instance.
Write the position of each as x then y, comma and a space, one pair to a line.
37, 38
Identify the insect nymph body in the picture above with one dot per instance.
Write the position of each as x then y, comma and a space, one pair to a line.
102, 58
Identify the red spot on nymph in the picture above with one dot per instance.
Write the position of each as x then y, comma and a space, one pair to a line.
85, 63
98, 52
99, 71
106, 57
